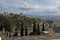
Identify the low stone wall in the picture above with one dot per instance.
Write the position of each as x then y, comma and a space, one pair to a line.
39, 38
55, 39
32, 37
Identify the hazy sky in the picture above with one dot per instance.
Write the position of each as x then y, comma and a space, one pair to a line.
36, 7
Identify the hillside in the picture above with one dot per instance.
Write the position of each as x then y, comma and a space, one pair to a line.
13, 21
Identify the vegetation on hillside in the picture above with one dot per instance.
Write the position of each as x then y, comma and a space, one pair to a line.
21, 23
14, 22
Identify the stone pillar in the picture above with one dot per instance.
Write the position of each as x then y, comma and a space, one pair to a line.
19, 37
0, 38
8, 34
3, 30
3, 34
12, 36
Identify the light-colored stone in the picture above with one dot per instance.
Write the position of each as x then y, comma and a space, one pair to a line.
50, 31
0, 38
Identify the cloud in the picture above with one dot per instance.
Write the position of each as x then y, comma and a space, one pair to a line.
40, 7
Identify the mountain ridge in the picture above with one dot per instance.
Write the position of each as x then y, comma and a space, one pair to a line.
44, 16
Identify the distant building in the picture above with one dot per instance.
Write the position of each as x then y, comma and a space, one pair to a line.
5, 14
11, 15
16, 15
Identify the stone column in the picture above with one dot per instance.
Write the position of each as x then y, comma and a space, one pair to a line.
12, 37
8, 34
19, 37
3, 30
3, 34
0, 38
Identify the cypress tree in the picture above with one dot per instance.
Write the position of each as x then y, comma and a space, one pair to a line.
43, 29
22, 29
38, 30
34, 28
49, 26
26, 31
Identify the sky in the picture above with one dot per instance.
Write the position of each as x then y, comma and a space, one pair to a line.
33, 7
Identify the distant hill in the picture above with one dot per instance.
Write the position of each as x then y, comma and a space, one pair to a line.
53, 17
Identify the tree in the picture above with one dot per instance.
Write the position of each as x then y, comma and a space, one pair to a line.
22, 28
34, 28
26, 31
38, 30
43, 29
21, 14
49, 26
